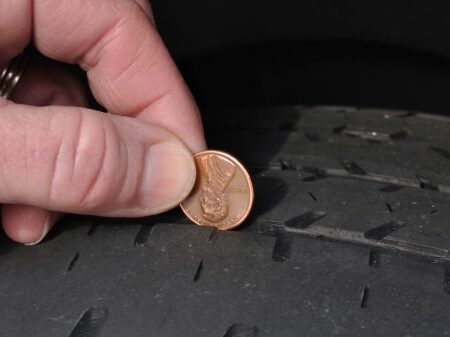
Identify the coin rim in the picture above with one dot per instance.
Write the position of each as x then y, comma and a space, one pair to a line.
246, 175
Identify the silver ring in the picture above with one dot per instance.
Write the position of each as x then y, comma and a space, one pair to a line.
11, 75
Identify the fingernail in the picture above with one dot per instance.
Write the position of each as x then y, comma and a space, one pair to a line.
169, 175
49, 222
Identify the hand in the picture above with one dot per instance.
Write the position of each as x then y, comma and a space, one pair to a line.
134, 161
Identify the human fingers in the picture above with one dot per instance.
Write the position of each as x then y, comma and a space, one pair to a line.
130, 70
44, 83
146, 7
15, 28
79, 161
27, 224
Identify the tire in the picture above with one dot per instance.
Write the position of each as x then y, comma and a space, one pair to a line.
349, 236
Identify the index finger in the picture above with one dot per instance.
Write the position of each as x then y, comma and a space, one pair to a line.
129, 69
15, 28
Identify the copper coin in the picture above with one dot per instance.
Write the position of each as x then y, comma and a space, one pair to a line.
223, 192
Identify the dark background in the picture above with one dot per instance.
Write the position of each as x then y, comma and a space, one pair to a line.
386, 54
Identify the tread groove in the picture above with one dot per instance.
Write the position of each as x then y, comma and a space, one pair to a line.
143, 235
241, 330
213, 235
384, 230
90, 322
317, 174
288, 126
352, 167
198, 271
312, 137
374, 258
92, 229
447, 279
398, 135
313, 197
444, 153
282, 248
391, 188
365, 297
389, 207
288, 164
73, 261
426, 183
338, 129
305, 220
389, 180
407, 114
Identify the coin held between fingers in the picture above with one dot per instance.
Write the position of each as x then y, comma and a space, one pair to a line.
223, 194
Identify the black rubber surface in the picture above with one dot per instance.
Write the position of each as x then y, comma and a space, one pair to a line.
349, 236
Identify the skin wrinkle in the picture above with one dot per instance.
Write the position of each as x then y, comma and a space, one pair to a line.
146, 106
93, 183
115, 184
54, 171
77, 55
132, 196
125, 166
133, 58
78, 143
157, 99
146, 8
51, 14
123, 169
88, 62
158, 113
139, 177
58, 51
115, 94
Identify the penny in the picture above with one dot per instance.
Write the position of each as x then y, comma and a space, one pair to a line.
222, 196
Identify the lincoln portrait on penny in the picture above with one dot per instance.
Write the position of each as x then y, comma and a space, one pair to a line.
219, 172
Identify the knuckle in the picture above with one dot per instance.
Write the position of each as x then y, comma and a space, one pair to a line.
95, 155
94, 148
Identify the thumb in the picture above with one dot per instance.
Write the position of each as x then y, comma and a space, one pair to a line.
80, 161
